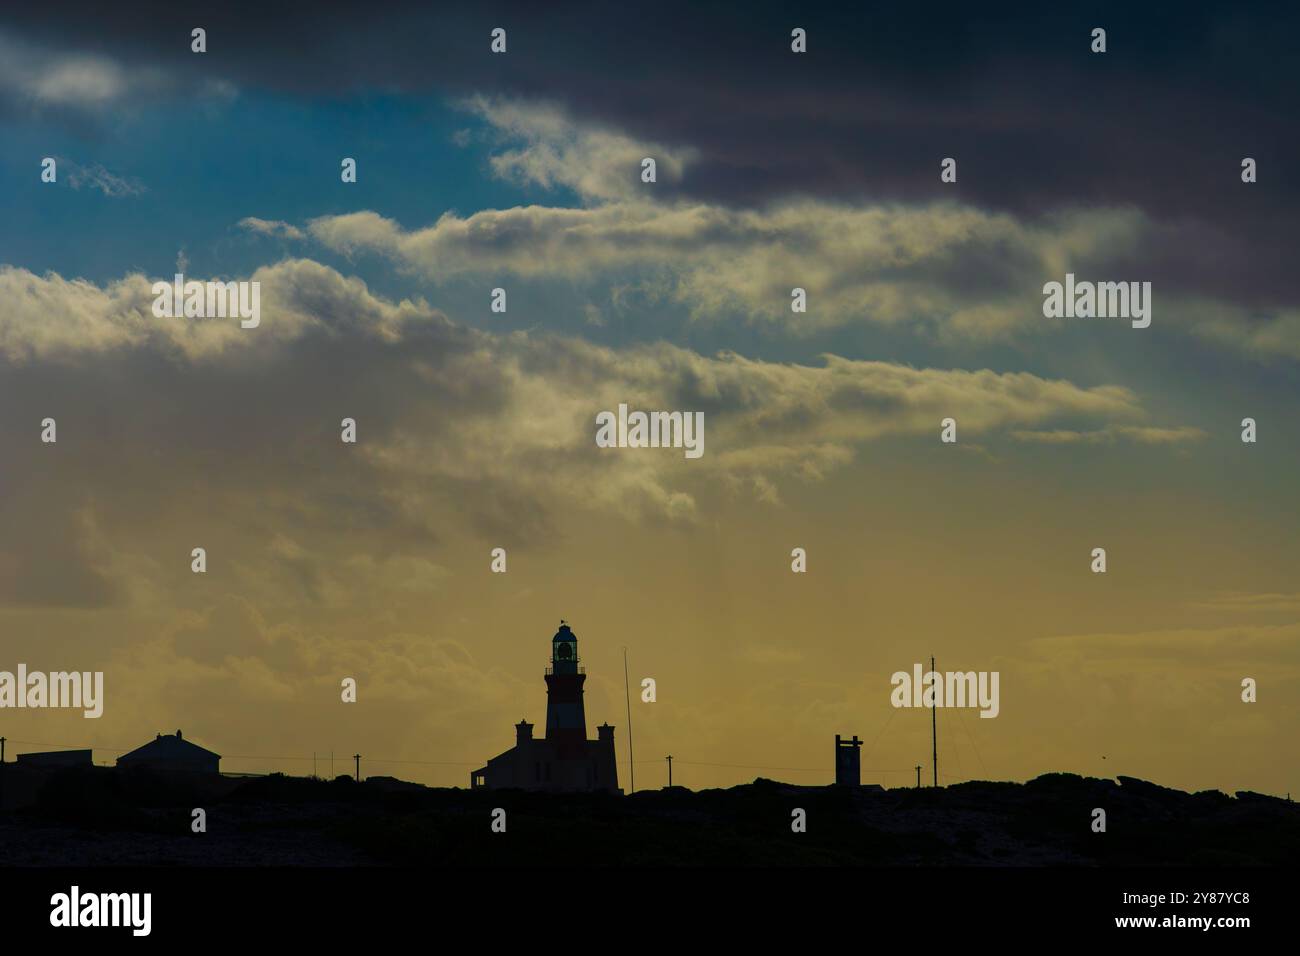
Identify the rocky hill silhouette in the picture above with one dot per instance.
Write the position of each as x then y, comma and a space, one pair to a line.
102, 816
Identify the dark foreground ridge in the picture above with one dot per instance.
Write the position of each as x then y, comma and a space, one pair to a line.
104, 817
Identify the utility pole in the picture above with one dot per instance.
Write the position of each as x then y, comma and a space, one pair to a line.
357, 758
669, 758
627, 696
918, 776
2, 749
934, 723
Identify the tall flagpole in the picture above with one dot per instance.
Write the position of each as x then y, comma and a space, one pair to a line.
631, 763
934, 725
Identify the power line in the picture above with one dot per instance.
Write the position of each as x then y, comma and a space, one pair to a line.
880, 733
432, 763
741, 766
37, 743
122, 750
971, 738
468, 763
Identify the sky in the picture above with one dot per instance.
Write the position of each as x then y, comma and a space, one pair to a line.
476, 429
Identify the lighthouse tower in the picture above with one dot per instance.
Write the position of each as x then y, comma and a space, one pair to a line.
565, 760
566, 722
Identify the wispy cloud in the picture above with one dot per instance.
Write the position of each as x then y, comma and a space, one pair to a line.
598, 163
1246, 602
1141, 434
96, 176
271, 227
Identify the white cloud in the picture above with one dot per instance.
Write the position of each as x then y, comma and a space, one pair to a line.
598, 164
82, 80
40, 78
50, 317
43, 77
879, 264
271, 227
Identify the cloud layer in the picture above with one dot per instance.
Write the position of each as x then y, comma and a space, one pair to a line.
515, 413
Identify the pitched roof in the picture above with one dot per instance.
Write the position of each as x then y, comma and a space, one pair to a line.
168, 747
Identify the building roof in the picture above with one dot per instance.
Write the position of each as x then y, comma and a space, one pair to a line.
168, 747
564, 634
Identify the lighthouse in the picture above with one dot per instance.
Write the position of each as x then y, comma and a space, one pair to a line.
566, 721
563, 760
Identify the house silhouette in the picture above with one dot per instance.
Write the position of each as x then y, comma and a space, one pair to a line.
172, 754
56, 759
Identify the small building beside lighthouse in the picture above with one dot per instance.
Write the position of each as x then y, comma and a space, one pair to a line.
563, 760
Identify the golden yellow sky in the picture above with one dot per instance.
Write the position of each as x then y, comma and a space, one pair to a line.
914, 549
